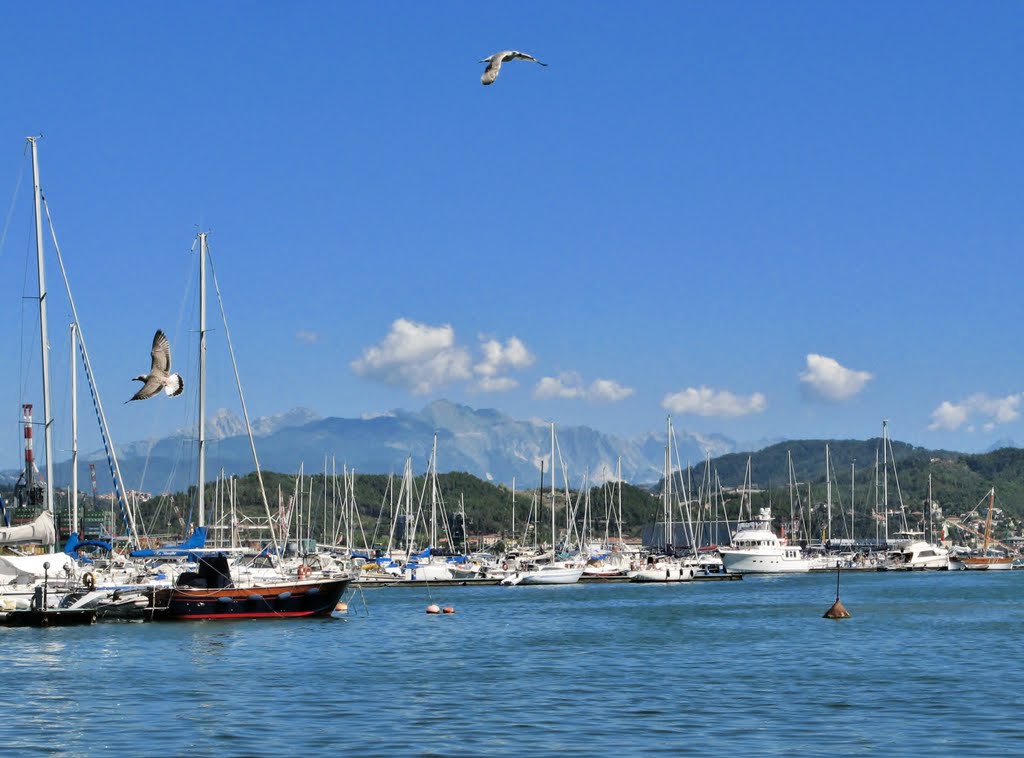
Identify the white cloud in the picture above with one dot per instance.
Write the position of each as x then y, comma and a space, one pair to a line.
309, 338
831, 380
705, 401
419, 357
608, 391
497, 359
496, 384
567, 385
992, 411
570, 386
513, 354
948, 416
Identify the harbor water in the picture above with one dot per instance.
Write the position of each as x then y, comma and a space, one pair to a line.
929, 663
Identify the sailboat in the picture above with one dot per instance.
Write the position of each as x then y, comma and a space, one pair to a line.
907, 549
25, 576
212, 591
666, 567
986, 561
555, 571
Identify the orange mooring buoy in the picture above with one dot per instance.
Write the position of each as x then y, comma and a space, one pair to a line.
449, 609
837, 611
433, 609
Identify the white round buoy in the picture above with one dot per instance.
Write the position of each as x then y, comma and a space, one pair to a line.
433, 609
341, 607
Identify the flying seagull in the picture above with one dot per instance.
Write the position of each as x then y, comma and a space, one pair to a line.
494, 63
160, 376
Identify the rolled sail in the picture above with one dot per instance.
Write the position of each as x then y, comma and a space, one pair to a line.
39, 530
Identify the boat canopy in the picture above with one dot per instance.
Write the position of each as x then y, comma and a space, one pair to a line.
196, 541
74, 543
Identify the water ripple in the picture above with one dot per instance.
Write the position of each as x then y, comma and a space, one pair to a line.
928, 660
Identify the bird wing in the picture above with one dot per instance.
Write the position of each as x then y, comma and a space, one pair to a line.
524, 57
152, 386
161, 354
491, 72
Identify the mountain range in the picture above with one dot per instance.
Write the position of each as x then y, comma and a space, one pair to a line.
482, 442
497, 448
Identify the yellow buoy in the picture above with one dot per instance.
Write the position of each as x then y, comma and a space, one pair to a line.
449, 609
433, 609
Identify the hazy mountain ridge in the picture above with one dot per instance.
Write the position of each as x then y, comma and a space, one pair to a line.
482, 442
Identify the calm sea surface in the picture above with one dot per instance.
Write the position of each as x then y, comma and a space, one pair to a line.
930, 663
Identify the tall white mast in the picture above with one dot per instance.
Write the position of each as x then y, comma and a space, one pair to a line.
929, 509
513, 507
553, 492
74, 435
828, 495
875, 511
618, 481
885, 475
200, 491
853, 484
792, 485
666, 489
44, 338
433, 495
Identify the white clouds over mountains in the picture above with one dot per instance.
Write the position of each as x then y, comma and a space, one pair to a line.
418, 357
705, 401
499, 358
570, 386
422, 358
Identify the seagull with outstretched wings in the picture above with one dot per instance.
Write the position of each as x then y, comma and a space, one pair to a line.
159, 376
494, 63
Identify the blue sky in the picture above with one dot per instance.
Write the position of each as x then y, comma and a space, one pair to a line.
769, 220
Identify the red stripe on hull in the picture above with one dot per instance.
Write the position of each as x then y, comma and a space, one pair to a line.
269, 614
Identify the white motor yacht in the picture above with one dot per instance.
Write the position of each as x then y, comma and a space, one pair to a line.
910, 551
756, 549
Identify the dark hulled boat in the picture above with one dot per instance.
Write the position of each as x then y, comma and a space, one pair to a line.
209, 593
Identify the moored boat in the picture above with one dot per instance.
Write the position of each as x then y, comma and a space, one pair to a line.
209, 593
986, 560
910, 551
552, 573
756, 549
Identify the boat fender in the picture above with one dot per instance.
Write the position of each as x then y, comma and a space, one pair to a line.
89, 580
